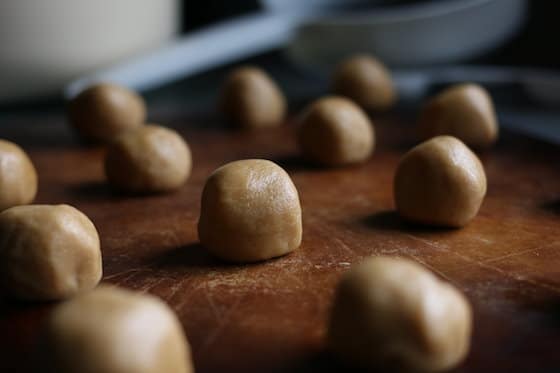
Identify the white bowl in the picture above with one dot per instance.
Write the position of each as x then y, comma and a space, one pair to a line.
413, 35
46, 43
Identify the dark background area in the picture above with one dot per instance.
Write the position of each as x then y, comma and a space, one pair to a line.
534, 46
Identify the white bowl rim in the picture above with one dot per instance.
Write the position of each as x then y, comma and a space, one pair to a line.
400, 13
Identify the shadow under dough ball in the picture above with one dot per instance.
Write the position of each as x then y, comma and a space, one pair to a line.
150, 159
440, 182
251, 99
112, 330
48, 252
394, 315
465, 111
18, 178
105, 111
250, 211
365, 80
335, 132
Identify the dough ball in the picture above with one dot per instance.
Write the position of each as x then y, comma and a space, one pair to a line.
251, 99
18, 178
105, 111
150, 159
365, 80
465, 111
48, 252
394, 314
335, 132
250, 211
111, 330
440, 182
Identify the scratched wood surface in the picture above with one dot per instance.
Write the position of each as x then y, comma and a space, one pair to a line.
271, 316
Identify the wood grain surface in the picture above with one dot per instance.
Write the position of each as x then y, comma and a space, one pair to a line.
271, 316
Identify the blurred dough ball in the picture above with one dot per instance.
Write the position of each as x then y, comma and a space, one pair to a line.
365, 80
250, 211
105, 111
394, 314
48, 252
465, 111
251, 99
150, 159
111, 330
440, 182
18, 178
335, 132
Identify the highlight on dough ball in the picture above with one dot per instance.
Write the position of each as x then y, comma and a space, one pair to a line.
465, 111
364, 79
394, 314
104, 111
18, 178
334, 131
150, 159
48, 252
251, 99
440, 182
112, 330
250, 211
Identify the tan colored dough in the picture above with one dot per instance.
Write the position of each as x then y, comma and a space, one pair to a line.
250, 211
112, 330
393, 314
150, 159
365, 80
48, 252
440, 182
335, 132
251, 99
105, 111
465, 111
18, 178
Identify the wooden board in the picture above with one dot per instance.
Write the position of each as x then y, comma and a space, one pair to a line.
271, 316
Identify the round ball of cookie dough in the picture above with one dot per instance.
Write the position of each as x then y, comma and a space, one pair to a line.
18, 178
48, 252
335, 132
440, 182
150, 159
111, 330
105, 111
465, 111
251, 99
366, 81
250, 211
394, 314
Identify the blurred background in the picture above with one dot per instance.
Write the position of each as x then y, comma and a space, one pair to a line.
530, 46
176, 52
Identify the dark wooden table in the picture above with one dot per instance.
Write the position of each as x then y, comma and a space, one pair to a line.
271, 316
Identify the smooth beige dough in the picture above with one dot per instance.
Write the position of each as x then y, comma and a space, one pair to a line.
18, 178
394, 314
367, 81
440, 182
334, 131
150, 159
112, 330
250, 211
251, 99
465, 111
105, 111
48, 252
